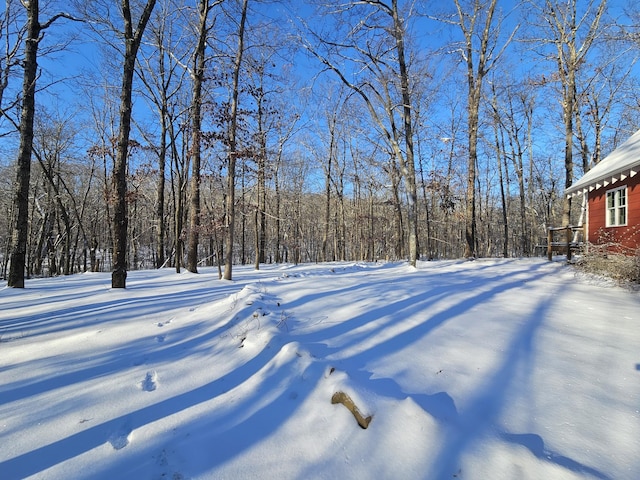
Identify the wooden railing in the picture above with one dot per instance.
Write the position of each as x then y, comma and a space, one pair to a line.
566, 244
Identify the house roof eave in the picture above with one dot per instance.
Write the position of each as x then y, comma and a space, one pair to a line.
623, 162
580, 188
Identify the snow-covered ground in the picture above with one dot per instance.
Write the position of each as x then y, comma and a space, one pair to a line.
512, 369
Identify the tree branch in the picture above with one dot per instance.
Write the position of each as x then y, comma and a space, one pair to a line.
47, 24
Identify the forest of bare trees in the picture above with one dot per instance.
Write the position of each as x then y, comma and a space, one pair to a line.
172, 133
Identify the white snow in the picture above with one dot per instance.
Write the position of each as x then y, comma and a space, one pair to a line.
492, 369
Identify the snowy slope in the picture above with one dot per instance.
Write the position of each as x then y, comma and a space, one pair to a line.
470, 370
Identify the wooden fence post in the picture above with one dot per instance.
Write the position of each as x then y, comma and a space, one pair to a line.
549, 244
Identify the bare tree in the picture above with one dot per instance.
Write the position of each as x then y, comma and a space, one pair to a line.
232, 146
571, 37
132, 38
162, 73
263, 86
285, 131
372, 59
195, 149
408, 165
179, 182
35, 32
476, 20
602, 90
10, 58
327, 173
53, 142
513, 117
499, 147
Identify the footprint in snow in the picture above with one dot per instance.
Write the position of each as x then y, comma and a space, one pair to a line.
160, 338
121, 437
150, 382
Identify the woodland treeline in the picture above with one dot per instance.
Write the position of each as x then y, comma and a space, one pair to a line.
173, 133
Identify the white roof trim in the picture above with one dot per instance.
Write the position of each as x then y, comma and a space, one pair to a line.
622, 162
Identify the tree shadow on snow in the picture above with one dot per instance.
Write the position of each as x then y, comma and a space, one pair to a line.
67, 318
103, 363
535, 444
237, 434
117, 429
483, 411
440, 288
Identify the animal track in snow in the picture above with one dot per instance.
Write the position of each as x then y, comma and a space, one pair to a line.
160, 338
150, 382
164, 461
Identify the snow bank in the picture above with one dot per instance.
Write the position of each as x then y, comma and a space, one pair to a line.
473, 370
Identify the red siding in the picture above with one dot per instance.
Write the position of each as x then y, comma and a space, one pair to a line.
629, 235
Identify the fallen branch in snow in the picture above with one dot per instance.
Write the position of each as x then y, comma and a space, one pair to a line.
343, 398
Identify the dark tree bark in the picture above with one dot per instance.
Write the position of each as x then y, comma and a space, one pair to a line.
119, 182
195, 149
261, 228
160, 229
23, 176
327, 187
160, 189
261, 164
20, 229
179, 186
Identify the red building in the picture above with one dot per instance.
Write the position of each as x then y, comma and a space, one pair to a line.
612, 190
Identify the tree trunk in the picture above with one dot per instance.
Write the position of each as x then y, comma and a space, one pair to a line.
261, 209
278, 200
470, 210
54, 181
119, 181
20, 231
231, 170
179, 197
195, 150
341, 227
475, 76
398, 224
409, 168
160, 189
564, 25
568, 113
499, 146
327, 189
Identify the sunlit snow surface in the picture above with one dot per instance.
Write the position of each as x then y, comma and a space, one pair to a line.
491, 369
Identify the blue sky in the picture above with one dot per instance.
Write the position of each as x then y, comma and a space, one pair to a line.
63, 70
